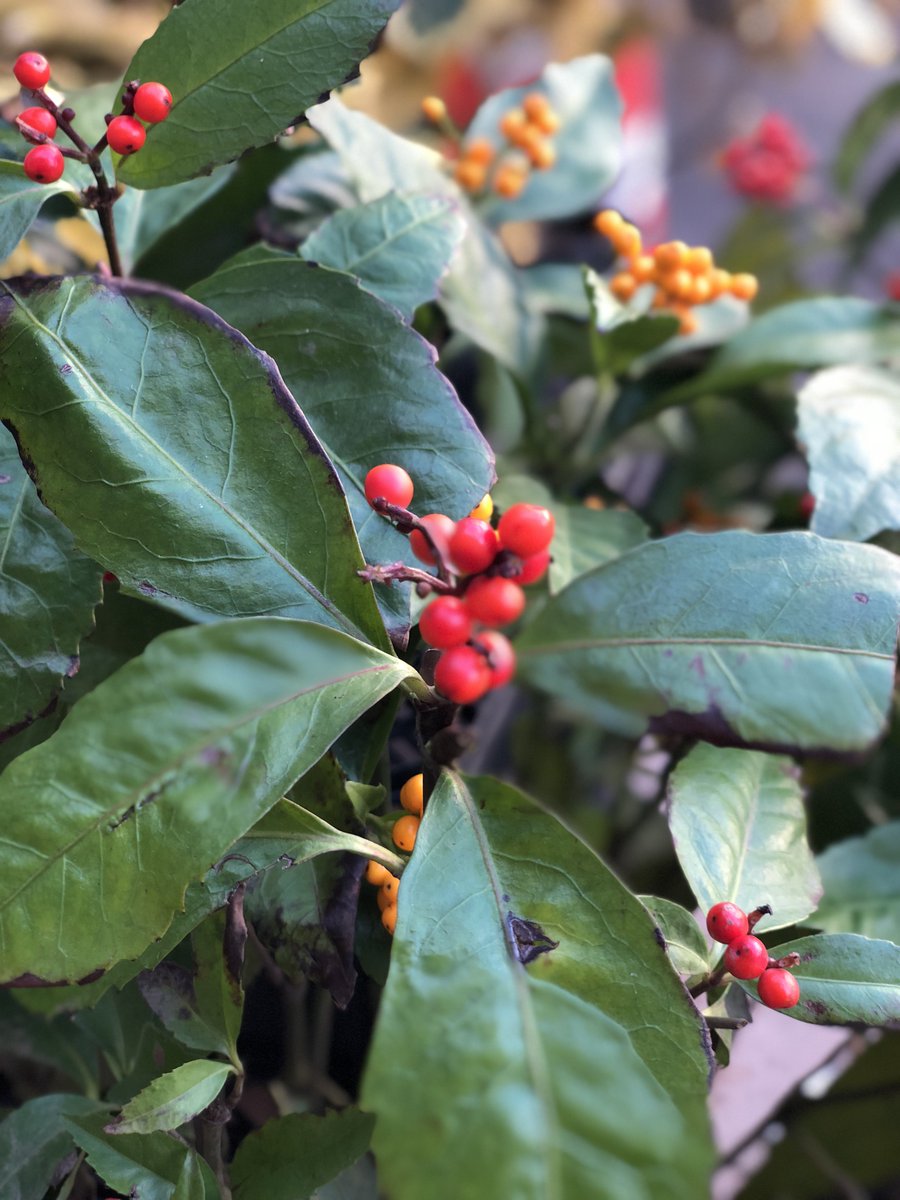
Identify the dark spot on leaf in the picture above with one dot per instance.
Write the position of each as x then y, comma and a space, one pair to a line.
184, 1014
5, 478
668, 653
816, 1006
11, 730
861, 597
712, 726
74, 664
65, 368
147, 588
660, 940
527, 939
30, 981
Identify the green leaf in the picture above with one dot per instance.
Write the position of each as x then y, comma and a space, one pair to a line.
621, 333
54, 1043
582, 92
173, 1099
153, 1165
861, 878
739, 829
219, 958
398, 247
685, 944
798, 336
844, 978
239, 75
47, 595
775, 640
869, 122
547, 982
21, 201
161, 770
369, 385
291, 1157
848, 420
33, 1141
180, 420
482, 293
143, 217
169, 992
882, 210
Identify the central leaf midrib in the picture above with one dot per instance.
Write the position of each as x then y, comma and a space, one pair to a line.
760, 643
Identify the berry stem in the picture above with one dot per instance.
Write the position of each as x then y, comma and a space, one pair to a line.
764, 910
789, 960
400, 572
406, 522
726, 1022
711, 980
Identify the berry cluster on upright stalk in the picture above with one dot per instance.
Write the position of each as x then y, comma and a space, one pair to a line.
682, 276
527, 136
403, 835
767, 165
746, 957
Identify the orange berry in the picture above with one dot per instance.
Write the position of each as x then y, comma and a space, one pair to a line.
404, 832
535, 105
390, 887
699, 260
480, 150
509, 181
434, 109
623, 286
389, 919
512, 123
412, 794
627, 242
484, 509
376, 873
471, 176
670, 256
644, 268
609, 222
719, 282
661, 299
593, 502
744, 287
547, 122
677, 283
542, 155
700, 290
688, 321
384, 899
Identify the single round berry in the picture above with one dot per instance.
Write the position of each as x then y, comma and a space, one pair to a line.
462, 675
778, 988
746, 957
38, 119
500, 655
725, 922
384, 899
376, 873
484, 509
412, 795
533, 568
441, 529
473, 546
389, 918
526, 529
152, 102
31, 70
44, 164
390, 887
445, 622
125, 135
494, 601
391, 483
404, 832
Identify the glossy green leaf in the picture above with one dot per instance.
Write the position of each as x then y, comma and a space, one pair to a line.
157, 773
739, 829
169, 992
152, 1164
33, 1142
173, 1099
143, 217
685, 944
861, 880
368, 384
291, 1157
868, 123
804, 334
53, 1042
47, 595
21, 201
621, 333
482, 293
848, 420
583, 94
549, 988
219, 957
181, 421
844, 978
241, 74
398, 247
781, 640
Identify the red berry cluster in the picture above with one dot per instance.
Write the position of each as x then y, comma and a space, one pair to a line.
767, 165
747, 958
484, 570
125, 134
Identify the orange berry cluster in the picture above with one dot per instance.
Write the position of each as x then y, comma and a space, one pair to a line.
684, 276
412, 798
528, 131
483, 569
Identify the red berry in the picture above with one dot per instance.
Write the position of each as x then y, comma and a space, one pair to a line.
44, 164
391, 483
441, 529
494, 601
125, 135
39, 119
445, 623
726, 921
473, 546
778, 988
31, 70
746, 957
526, 529
533, 568
500, 655
462, 674
152, 102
